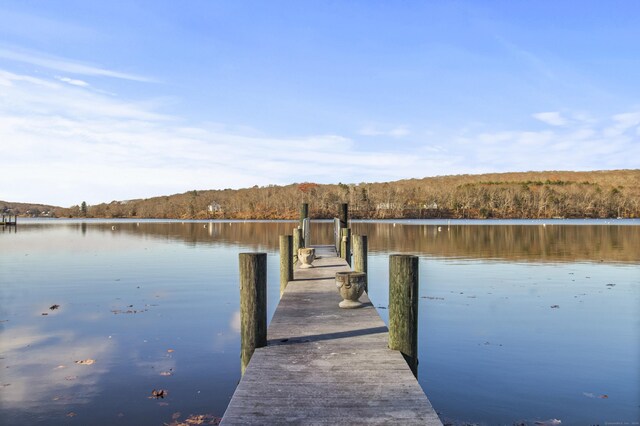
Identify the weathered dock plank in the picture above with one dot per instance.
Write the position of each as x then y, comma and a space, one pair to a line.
326, 365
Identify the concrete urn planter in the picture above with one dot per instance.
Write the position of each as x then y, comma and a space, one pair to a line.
351, 286
306, 257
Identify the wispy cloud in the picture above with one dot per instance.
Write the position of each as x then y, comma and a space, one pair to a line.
72, 143
394, 132
93, 147
622, 123
66, 65
552, 118
610, 143
73, 81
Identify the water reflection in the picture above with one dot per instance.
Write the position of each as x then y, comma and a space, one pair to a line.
147, 298
532, 243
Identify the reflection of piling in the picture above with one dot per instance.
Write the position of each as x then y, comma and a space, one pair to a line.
359, 245
403, 307
253, 304
345, 246
286, 261
297, 243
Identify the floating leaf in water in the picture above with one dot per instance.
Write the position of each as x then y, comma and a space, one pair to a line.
158, 393
170, 350
196, 419
54, 307
555, 306
86, 361
603, 396
71, 414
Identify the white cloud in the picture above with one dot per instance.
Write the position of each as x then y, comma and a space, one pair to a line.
622, 123
73, 81
552, 118
395, 132
70, 143
65, 65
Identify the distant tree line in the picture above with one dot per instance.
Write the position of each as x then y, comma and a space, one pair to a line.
598, 194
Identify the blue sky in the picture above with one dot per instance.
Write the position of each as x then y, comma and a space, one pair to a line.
104, 101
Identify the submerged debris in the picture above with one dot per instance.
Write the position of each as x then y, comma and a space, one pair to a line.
54, 307
555, 306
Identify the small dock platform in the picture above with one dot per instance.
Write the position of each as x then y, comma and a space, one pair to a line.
327, 365
6, 221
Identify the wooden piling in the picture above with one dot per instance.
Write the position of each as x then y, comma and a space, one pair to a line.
345, 245
286, 261
306, 232
253, 304
359, 245
403, 307
344, 215
336, 234
297, 243
304, 213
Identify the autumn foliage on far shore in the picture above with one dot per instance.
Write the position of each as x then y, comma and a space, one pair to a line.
596, 194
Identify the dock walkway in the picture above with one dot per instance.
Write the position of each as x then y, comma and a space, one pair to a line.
327, 365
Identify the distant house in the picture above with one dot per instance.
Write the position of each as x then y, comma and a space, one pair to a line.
432, 206
388, 206
214, 207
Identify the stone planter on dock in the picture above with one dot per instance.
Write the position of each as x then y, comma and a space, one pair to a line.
306, 256
351, 286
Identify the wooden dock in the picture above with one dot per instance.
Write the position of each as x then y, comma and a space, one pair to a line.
327, 365
6, 221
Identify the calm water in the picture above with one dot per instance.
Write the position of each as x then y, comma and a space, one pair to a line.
519, 321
